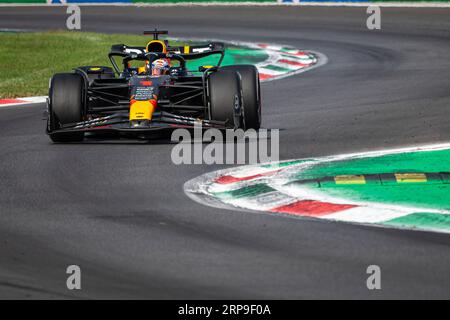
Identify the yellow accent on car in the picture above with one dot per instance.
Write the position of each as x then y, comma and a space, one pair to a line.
95, 69
142, 70
350, 179
410, 177
141, 110
186, 49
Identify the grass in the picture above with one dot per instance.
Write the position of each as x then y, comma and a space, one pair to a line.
28, 60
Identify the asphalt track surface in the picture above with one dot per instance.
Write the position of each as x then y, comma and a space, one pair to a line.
118, 209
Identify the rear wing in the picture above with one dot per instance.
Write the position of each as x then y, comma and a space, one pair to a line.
124, 50
213, 47
181, 53
187, 49
200, 51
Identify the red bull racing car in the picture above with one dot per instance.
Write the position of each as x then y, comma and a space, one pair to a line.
158, 94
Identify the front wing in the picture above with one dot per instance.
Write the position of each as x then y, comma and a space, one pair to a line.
119, 123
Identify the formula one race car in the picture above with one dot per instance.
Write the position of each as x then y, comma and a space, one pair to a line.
161, 94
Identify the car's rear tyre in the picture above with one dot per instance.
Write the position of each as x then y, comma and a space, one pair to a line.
251, 94
66, 106
225, 97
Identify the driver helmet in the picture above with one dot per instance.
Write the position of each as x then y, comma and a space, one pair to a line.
160, 67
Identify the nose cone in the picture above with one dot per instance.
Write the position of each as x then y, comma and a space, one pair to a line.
142, 110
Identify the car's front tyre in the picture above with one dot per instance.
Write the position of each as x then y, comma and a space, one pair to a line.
251, 94
225, 97
66, 106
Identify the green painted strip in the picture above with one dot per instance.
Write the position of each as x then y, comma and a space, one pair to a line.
249, 191
372, 179
288, 49
434, 193
233, 55
425, 161
434, 196
277, 68
422, 220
